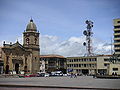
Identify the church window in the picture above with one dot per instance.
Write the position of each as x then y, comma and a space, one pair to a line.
35, 40
27, 40
7, 61
25, 60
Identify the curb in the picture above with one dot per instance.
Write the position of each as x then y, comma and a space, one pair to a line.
62, 87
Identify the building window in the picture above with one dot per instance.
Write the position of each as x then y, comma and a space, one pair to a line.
25, 60
90, 59
69, 60
72, 65
90, 65
105, 64
95, 59
7, 61
116, 27
27, 40
117, 45
115, 69
118, 21
84, 65
35, 40
117, 50
116, 41
117, 31
72, 60
106, 59
82, 60
79, 65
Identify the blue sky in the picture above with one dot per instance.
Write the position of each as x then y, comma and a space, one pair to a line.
61, 18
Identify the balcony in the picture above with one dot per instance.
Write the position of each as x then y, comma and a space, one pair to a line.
116, 38
116, 48
116, 33
117, 52
116, 29
117, 43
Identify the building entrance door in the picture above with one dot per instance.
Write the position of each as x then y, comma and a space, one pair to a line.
7, 69
17, 68
25, 69
85, 71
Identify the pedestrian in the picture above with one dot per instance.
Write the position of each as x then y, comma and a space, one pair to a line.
71, 75
75, 75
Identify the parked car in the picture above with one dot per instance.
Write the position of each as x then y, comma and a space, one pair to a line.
30, 75
56, 73
47, 75
43, 75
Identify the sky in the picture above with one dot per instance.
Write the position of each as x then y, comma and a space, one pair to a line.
61, 23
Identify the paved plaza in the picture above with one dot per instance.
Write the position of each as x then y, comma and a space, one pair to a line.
80, 81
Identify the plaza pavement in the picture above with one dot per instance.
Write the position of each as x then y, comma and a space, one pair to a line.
62, 82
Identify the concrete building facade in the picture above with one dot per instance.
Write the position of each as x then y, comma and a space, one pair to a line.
88, 65
82, 65
117, 36
114, 69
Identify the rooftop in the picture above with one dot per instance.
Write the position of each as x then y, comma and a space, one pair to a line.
51, 56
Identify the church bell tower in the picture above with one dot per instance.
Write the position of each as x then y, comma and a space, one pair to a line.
31, 43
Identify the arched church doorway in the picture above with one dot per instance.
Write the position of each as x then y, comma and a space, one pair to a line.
7, 69
17, 68
25, 69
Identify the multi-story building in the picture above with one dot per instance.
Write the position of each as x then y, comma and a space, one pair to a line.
24, 57
82, 65
51, 63
88, 65
117, 36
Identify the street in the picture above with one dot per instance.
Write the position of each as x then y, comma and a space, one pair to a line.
80, 81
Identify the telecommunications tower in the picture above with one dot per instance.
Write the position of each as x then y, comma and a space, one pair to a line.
88, 33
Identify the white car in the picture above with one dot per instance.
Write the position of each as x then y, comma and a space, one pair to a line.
46, 75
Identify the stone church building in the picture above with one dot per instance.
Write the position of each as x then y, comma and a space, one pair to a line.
24, 57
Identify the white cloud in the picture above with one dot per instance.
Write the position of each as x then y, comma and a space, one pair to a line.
71, 47
19, 39
1, 43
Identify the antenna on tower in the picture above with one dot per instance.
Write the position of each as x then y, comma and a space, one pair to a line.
88, 33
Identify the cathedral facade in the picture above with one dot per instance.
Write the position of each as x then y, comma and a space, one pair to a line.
23, 58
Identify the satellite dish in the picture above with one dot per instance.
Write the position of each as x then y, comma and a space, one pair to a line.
86, 21
89, 33
85, 32
84, 44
